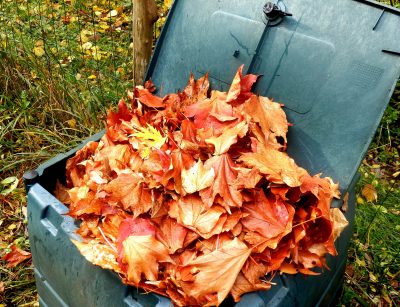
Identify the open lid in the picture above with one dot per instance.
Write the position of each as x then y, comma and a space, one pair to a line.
333, 64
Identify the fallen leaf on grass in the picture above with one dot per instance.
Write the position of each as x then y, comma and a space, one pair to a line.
369, 192
16, 256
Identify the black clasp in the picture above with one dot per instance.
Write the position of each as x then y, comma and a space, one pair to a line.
274, 13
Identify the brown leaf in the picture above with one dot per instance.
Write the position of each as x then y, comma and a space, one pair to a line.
339, 222
215, 273
369, 192
196, 90
16, 256
242, 285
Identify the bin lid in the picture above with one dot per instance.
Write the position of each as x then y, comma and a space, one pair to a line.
333, 64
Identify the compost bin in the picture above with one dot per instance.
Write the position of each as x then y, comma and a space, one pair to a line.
332, 63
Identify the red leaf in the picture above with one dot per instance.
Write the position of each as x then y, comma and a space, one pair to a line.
16, 256
147, 98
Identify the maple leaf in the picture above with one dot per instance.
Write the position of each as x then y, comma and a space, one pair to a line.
223, 142
242, 285
172, 179
197, 177
74, 169
149, 138
270, 116
196, 90
16, 256
241, 87
226, 174
123, 114
173, 234
147, 98
191, 212
276, 165
142, 255
214, 274
84, 201
271, 218
129, 189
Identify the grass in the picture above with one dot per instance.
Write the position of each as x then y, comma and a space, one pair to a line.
63, 63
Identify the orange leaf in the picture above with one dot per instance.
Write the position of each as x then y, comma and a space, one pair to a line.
99, 254
276, 165
142, 254
214, 274
229, 136
270, 116
16, 256
191, 212
242, 285
196, 90
131, 192
173, 234
226, 174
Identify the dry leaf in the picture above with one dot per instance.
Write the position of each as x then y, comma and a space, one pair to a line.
369, 192
197, 177
339, 222
214, 274
142, 254
16, 256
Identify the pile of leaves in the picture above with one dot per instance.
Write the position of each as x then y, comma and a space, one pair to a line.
193, 196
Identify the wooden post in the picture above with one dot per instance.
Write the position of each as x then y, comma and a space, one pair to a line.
144, 14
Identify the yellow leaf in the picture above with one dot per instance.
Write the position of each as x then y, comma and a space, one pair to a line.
168, 3
150, 137
396, 174
369, 193
92, 77
39, 51
360, 201
87, 45
71, 123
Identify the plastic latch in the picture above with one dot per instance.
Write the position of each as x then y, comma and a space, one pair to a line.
274, 13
